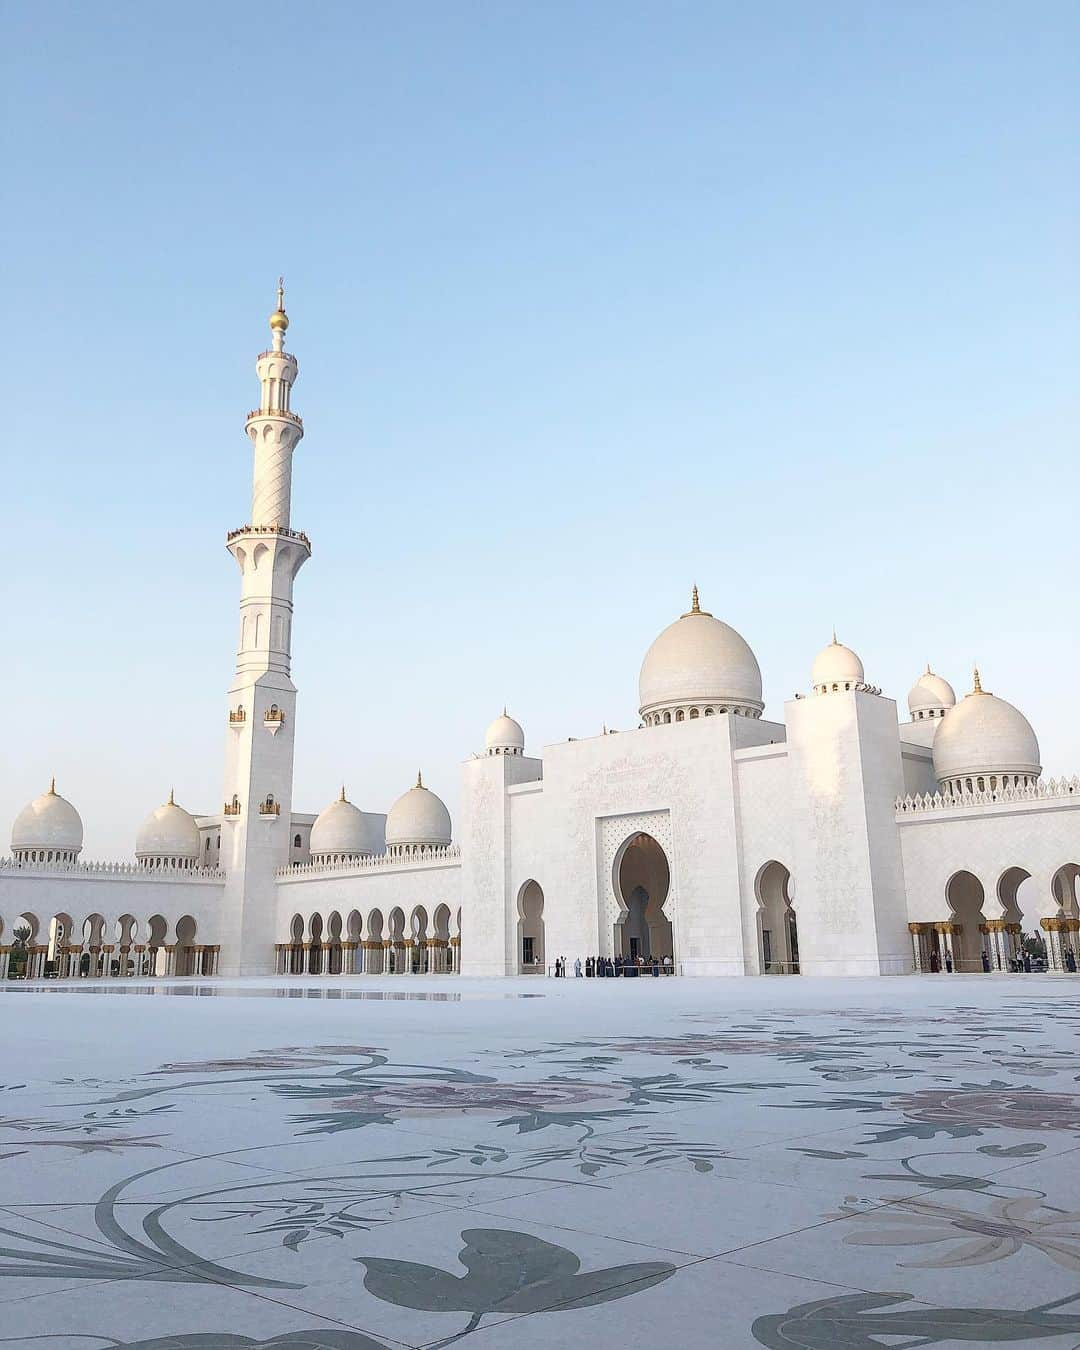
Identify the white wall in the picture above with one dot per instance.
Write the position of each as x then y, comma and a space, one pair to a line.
848, 874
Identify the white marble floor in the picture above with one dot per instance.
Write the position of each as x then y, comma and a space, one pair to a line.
354, 1163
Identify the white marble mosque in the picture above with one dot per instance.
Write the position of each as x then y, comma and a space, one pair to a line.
838, 837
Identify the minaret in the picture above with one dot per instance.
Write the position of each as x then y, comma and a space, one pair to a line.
256, 824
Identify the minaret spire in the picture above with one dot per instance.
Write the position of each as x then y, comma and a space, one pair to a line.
279, 320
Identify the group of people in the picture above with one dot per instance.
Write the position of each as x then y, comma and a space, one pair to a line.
1023, 962
608, 967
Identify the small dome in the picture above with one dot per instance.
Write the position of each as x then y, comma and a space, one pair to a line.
930, 694
505, 736
418, 819
343, 831
168, 835
983, 736
836, 665
699, 660
50, 824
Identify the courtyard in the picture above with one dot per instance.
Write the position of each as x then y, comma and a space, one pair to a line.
362, 1162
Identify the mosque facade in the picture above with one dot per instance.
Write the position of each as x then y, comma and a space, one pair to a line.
840, 840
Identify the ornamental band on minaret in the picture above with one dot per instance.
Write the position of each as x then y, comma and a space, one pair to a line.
262, 697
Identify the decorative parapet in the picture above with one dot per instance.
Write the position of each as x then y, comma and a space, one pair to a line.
1050, 789
282, 530
285, 414
421, 857
10, 867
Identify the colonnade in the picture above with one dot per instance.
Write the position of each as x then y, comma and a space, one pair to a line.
424, 956
992, 932
107, 961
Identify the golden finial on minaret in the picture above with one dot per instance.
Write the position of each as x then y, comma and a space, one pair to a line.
279, 320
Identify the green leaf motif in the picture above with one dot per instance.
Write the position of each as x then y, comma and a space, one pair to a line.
852, 1322
507, 1272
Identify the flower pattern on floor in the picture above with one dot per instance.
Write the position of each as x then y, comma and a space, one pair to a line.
907, 1134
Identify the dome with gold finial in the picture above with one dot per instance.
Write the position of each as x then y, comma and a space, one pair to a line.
505, 736
985, 744
48, 830
342, 832
417, 820
698, 667
931, 696
168, 837
836, 668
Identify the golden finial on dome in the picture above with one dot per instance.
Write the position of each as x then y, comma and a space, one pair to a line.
978, 683
928, 671
834, 641
171, 799
342, 798
419, 780
52, 786
279, 320
695, 605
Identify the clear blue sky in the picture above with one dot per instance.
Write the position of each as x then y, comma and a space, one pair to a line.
591, 300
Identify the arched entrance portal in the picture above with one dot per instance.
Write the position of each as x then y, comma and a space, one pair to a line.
642, 882
531, 930
777, 924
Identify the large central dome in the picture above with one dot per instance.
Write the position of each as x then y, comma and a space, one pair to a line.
698, 666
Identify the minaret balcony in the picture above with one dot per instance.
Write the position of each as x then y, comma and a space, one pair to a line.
269, 809
282, 531
237, 718
231, 808
273, 719
284, 413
